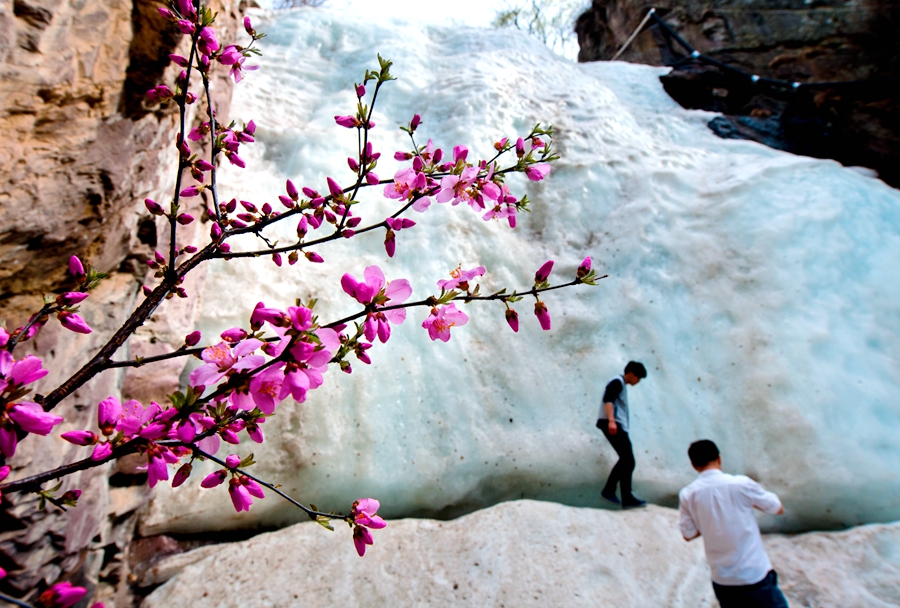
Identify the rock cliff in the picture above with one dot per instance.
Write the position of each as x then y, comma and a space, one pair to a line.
793, 40
80, 152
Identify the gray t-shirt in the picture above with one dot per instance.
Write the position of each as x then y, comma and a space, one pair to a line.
616, 393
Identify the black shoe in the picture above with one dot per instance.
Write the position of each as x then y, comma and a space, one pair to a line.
634, 503
611, 498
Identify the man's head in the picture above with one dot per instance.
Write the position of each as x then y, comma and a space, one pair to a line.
634, 372
704, 455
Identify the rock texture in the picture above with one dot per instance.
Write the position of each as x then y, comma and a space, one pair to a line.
526, 553
835, 40
80, 152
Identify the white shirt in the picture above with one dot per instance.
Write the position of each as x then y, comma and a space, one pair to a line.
720, 507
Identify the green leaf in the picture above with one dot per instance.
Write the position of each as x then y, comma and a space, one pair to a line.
323, 521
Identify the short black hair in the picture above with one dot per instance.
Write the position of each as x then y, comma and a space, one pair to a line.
702, 453
637, 369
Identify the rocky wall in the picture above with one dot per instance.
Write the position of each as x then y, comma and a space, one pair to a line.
852, 41
80, 152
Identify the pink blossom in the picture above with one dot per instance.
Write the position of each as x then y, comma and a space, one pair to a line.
220, 359
361, 538
102, 451
440, 321
32, 418
512, 317
22, 372
230, 55
456, 187
460, 153
537, 172
156, 468
543, 273
543, 315
80, 437
179, 60
364, 512
8, 440
4, 337
264, 389
240, 497
460, 278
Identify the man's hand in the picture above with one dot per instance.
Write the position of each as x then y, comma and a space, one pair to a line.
613, 427
610, 415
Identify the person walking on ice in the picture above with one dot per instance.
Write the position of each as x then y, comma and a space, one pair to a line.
719, 507
613, 421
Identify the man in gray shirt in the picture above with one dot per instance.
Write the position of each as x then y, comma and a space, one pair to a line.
613, 421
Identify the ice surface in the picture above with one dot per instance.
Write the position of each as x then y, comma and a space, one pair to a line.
761, 290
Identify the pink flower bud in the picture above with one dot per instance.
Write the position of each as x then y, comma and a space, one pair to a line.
159, 257
314, 257
166, 13
390, 243
248, 27
401, 156
346, 121
76, 268
203, 165
460, 153
71, 298
190, 191
73, 322
80, 437
232, 461
266, 208
333, 187
372, 179
542, 314
235, 160
213, 479
520, 147
179, 60
584, 268
184, 219
360, 90
233, 335
190, 249
215, 231
291, 190
153, 207
543, 272
351, 162
102, 451
415, 122
147, 291
193, 338
182, 474
512, 317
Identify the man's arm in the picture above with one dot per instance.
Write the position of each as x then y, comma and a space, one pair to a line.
765, 501
686, 523
613, 427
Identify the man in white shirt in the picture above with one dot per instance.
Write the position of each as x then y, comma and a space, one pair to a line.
719, 507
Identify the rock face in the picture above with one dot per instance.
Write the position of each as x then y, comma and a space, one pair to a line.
80, 151
841, 40
526, 553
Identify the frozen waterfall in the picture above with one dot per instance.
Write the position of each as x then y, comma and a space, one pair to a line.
761, 289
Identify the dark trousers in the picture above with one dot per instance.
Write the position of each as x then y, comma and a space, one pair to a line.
764, 594
622, 471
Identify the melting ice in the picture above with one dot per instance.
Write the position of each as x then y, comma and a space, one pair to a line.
761, 290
